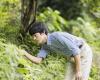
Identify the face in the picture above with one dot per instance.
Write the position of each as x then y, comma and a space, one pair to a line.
38, 38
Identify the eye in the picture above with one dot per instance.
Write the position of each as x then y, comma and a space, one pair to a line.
34, 35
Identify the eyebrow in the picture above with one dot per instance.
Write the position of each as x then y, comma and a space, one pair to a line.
34, 35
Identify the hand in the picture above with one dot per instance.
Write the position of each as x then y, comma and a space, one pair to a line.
78, 76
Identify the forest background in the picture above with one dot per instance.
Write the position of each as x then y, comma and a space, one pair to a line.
78, 17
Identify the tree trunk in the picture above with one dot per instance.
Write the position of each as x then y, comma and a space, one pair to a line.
28, 14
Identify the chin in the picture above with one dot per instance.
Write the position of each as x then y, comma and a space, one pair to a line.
39, 43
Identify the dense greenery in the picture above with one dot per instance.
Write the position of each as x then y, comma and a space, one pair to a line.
85, 23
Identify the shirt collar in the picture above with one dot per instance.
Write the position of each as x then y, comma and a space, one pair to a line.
48, 39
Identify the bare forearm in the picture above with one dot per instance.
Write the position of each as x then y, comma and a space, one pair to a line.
33, 58
78, 74
77, 63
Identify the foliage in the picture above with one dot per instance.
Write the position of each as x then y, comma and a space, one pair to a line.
14, 66
69, 9
8, 15
53, 19
84, 27
72, 9
55, 22
94, 73
93, 6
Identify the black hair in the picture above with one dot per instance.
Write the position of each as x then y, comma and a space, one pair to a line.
38, 27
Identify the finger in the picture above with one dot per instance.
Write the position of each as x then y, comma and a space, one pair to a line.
77, 78
80, 78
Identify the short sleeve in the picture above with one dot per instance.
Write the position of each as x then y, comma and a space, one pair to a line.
42, 53
75, 50
71, 48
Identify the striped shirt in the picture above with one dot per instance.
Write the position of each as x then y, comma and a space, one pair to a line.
62, 43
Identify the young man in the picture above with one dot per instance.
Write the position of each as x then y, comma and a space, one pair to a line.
70, 46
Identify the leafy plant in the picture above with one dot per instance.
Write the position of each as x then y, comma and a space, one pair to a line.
53, 19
